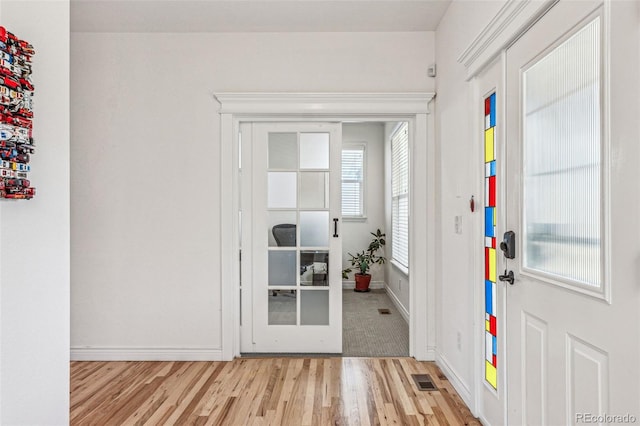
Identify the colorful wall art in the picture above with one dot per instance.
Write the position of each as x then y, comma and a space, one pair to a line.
490, 261
16, 114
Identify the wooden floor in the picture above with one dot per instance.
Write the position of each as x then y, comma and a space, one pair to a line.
260, 391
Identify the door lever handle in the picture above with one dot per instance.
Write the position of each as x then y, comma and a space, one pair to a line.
507, 276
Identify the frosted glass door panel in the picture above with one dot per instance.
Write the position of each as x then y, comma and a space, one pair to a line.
282, 307
314, 190
283, 151
561, 151
314, 150
314, 229
282, 268
281, 230
314, 268
282, 190
314, 307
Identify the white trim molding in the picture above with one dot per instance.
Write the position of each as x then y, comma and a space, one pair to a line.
145, 354
512, 20
324, 103
454, 378
398, 304
374, 285
337, 107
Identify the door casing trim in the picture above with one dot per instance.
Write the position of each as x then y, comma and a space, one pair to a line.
340, 107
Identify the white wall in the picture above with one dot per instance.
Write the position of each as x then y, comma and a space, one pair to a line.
455, 278
397, 280
34, 235
145, 159
356, 234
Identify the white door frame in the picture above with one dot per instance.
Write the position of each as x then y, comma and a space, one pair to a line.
338, 107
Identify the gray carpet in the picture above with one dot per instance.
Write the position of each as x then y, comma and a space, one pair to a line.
282, 307
365, 332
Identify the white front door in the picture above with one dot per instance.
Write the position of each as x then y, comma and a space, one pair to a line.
569, 344
291, 281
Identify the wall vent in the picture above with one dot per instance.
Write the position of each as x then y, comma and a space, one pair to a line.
424, 382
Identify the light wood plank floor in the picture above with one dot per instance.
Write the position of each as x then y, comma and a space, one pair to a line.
263, 391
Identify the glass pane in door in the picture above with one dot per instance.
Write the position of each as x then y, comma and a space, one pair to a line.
314, 190
562, 165
283, 151
314, 268
282, 268
283, 307
314, 229
314, 307
314, 151
281, 229
282, 190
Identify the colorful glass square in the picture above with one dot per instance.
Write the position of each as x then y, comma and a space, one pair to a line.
488, 300
492, 190
491, 374
488, 145
492, 102
489, 230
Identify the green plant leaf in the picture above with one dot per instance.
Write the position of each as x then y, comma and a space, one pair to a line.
363, 260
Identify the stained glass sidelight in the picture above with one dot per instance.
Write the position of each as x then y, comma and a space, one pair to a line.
490, 265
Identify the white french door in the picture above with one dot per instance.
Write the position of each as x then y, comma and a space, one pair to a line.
291, 214
566, 345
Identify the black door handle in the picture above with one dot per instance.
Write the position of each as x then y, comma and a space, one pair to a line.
335, 227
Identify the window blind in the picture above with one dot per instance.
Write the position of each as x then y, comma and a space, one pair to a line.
353, 182
400, 195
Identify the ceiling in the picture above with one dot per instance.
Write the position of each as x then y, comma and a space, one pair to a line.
255, 15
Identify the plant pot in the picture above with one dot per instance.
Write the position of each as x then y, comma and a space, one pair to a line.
362, 283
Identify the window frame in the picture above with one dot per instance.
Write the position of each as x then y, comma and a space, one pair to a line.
353, 146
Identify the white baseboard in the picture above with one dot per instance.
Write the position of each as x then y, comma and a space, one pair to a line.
427, 355
145, 354
403, 311
374, 285
431, 354
484, 421
453, 377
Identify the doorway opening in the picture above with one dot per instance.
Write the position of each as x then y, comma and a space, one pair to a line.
338, 108
375, 323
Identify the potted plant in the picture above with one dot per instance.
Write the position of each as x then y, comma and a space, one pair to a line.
362, 262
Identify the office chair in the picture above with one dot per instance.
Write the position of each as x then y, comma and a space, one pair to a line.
285, 236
